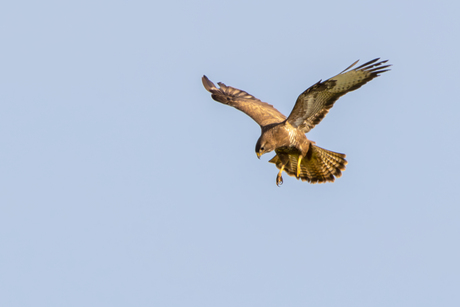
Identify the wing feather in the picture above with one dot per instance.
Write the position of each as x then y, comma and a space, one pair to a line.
263, 113
313, 104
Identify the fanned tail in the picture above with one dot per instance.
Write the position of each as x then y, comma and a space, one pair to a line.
319, 166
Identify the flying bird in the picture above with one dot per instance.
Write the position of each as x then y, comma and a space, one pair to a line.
295, 154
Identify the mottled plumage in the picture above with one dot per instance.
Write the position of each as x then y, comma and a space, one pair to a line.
295, 154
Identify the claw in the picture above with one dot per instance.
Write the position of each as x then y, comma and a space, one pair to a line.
279, 180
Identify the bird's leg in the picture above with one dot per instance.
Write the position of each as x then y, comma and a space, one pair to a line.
279, 178
298, 166
284, 159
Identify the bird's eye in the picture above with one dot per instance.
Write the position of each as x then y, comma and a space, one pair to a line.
261, 148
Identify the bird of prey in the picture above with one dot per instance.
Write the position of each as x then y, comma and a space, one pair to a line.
295, 154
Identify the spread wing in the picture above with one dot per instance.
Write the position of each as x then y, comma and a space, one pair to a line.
313, 104
263, 113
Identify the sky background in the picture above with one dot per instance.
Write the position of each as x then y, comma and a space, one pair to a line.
122, 183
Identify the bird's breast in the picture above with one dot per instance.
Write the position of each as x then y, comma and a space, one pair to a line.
292, 137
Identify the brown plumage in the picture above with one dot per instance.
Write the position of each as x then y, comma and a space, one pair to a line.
295, 154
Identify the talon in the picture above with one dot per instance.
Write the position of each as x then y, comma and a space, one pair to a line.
279, 180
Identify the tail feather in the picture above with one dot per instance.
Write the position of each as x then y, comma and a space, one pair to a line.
319, 166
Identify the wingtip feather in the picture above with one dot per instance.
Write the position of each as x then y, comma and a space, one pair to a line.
208, 85
368, 63
349, 67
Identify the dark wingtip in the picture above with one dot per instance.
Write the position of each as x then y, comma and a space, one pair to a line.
208, 85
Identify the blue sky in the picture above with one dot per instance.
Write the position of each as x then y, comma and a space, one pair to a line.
124, 184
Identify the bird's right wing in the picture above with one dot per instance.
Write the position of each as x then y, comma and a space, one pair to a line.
263, 113
313, 104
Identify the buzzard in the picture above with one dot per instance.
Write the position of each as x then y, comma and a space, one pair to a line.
295, 154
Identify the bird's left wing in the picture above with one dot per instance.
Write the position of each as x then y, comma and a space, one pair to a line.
313, 104
263, 113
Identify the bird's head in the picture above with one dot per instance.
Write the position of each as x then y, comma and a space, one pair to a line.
263, 146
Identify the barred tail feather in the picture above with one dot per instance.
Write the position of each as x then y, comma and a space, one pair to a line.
319, 166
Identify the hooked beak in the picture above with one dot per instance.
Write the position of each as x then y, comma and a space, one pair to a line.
258, 155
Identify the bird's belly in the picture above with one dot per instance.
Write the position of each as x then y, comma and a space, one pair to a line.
287, 150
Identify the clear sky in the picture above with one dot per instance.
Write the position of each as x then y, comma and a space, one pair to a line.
122, 183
